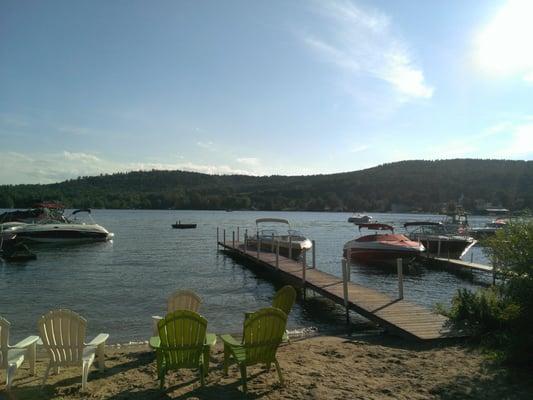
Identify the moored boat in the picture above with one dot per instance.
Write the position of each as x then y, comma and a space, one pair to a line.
63, 230
359, 218
381, 248
438, 241
269, 236
179, 225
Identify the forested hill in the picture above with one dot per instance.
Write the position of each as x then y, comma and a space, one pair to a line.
400, 186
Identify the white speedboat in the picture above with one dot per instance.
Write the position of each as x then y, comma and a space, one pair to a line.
359, 219
58, 231
269, 235
438, 240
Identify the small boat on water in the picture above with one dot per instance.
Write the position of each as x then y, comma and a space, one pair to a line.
269, 234
381, 248
359, 218
179, 225
438, 240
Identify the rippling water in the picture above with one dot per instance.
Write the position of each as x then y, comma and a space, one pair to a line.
118, 285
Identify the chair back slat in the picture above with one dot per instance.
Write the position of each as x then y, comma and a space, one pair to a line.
284, 299
183, 300
63, 336
263, 332
182, 335
4, 341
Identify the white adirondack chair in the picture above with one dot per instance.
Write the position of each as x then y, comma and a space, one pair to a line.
179, 300
63, 337
11, 357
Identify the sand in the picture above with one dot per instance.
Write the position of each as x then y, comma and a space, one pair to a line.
321, 367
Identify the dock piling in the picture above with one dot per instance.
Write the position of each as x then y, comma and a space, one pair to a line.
399, 265
224, 237
314, 254
277, 254
238, 234
218, 238
438, 250
245, 241
290, 246
272, 244
304, 268
345, 288
233, 238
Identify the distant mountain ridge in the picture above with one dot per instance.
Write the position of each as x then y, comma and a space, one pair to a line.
400, 186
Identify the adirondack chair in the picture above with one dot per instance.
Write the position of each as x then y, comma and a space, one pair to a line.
182, 343
11, 357
63, 337
179, 300
263, 332
284, 300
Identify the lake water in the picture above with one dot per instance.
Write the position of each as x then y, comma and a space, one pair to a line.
118, 285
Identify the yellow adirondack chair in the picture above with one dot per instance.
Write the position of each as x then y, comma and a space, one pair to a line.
179, 300
182, 343
11, 357
263, 332
63, 337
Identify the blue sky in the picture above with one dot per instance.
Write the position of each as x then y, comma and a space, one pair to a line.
277, 87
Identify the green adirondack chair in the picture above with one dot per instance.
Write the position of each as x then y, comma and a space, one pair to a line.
263, 332
284, 299
182, 343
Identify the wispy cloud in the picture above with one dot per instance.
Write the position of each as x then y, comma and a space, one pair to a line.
358, 149
363, 43
251, 161
208, 145
54, 167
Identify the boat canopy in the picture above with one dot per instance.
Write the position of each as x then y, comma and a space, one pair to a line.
422, 223
280, 220
377, 227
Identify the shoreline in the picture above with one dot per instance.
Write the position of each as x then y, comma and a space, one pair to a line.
316, 367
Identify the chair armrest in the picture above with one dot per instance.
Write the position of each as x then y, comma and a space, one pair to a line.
98, 340
26, 342
210, 339
229, 340
155, 342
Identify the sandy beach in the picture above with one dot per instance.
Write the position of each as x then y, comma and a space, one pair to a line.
320, 367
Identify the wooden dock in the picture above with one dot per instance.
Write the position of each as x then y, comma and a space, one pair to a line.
450, 262
398, 316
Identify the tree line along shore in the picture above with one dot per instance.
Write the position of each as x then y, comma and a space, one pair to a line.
406, 186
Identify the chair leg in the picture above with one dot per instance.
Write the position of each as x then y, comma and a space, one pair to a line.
202, 375
11, 369
161, 380
84, 374
227, 355
100, 352
32, 352
206, 360
279, 372
243, 377
46, 373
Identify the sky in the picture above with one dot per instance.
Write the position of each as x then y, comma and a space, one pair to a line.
260, 88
